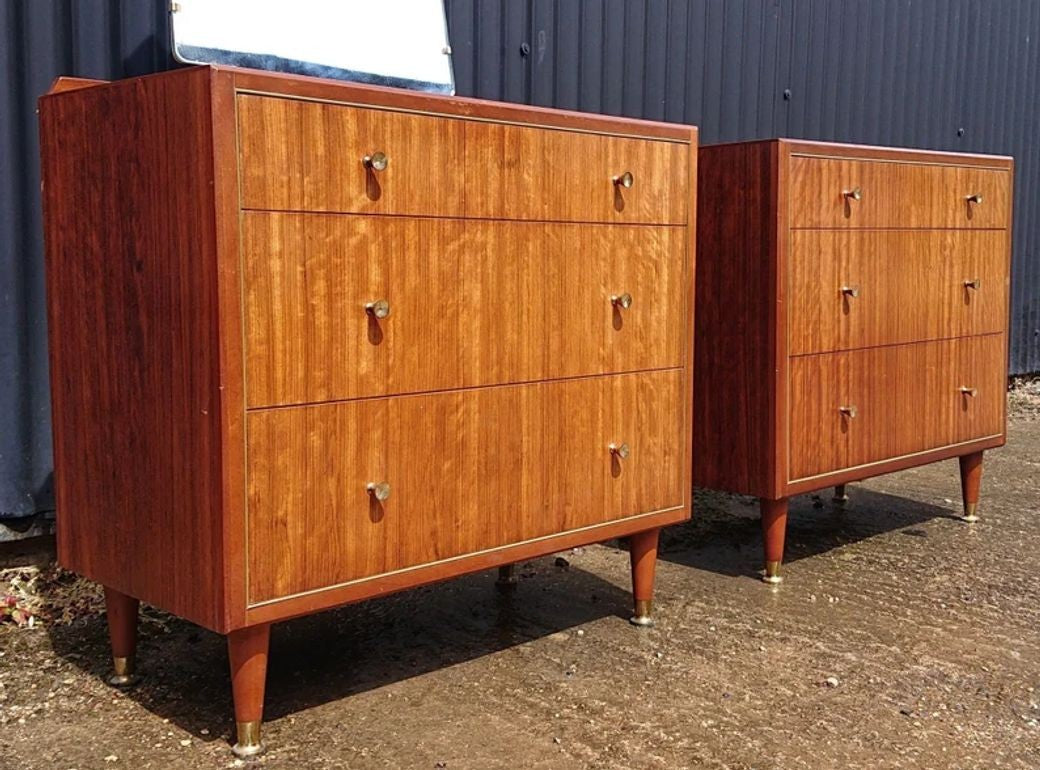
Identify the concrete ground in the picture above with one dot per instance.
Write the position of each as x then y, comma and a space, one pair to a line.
902, 637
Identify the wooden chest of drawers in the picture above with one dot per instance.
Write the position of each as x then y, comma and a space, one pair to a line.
852, 318
314, 342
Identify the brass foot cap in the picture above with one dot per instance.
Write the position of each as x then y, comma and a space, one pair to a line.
969, 512
122, 672
772, 575
643, 621
840, 499
123, 680
249, 743
773, 580
644, 610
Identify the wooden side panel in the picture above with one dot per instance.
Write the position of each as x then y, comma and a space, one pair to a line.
521, 172
469, 471
132, 311
910, 285
894, 194
471, 303
736, 359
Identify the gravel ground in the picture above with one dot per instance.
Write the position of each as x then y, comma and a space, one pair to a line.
902, 638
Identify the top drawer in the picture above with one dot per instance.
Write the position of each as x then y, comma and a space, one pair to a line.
830, 192
297, 155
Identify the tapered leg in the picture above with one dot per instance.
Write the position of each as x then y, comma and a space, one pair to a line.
507, 578
247, 650
840, 496
774, 527
122, 632
971, 477
642, 550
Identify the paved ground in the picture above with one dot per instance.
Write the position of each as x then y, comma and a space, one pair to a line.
901, 638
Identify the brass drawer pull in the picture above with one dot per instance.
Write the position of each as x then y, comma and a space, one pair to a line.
623, 301
849, 411
624, 180
855, 194
379, 490
970, 391
973, 198
620, 450
974, 283
850, 291
380, 308
377, 161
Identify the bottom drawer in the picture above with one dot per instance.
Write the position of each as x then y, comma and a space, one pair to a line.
467, 471
864, 406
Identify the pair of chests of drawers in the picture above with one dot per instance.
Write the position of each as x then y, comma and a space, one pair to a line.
481, 322
896, 289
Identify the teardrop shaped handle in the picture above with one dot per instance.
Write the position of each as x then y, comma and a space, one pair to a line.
624, 301
620, 450
380, 490
377, 161
380, 308
625, 180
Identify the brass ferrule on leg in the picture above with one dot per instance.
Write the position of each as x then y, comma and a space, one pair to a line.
969, 512
249, 743
122, 672
772, 575
644, 608
507, 578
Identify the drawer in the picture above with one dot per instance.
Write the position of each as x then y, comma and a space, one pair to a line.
898, 400
896, 194
297, 155
901, 286
470, 303
467, 472
520, 172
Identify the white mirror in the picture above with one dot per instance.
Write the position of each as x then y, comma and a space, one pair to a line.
402, 43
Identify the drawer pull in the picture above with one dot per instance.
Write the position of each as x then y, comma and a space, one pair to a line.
377, 161
973, 198
379, 490
624, 180
850, 291
974, 283
380, 308
970, 391
623, 301
855, 194
620, 450
849, 411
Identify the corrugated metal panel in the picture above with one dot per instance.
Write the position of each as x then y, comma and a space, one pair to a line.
942, 74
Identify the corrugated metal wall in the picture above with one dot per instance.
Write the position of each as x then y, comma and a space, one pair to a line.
943, 74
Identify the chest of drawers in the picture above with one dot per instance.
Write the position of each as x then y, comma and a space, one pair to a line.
852, 318
314, 342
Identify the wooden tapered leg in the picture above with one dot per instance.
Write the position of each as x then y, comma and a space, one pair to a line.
774, 527
642, 550
971, 477
247, 651
507, 579
122, 632
840, 495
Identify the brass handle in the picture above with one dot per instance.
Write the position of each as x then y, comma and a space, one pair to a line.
974, 283
623, 301
380, 308
850, 291
849, 411
855, 193
624, 180
620, 450
377, 161
973, 198
970, 391
379, 490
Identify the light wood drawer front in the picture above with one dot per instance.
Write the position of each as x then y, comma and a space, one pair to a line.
898, 400
899, 286
520, 172
468, 471
470, 303
895, 194
307, 156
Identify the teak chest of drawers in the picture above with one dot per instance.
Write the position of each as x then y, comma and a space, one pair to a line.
852, 318
314, 342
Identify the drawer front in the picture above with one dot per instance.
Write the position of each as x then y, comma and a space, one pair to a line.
468, 471
895, 194
308, 156
520, 172
859, 407
855, 289
470, 303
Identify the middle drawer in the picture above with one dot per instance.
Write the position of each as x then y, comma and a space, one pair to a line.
343, 306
